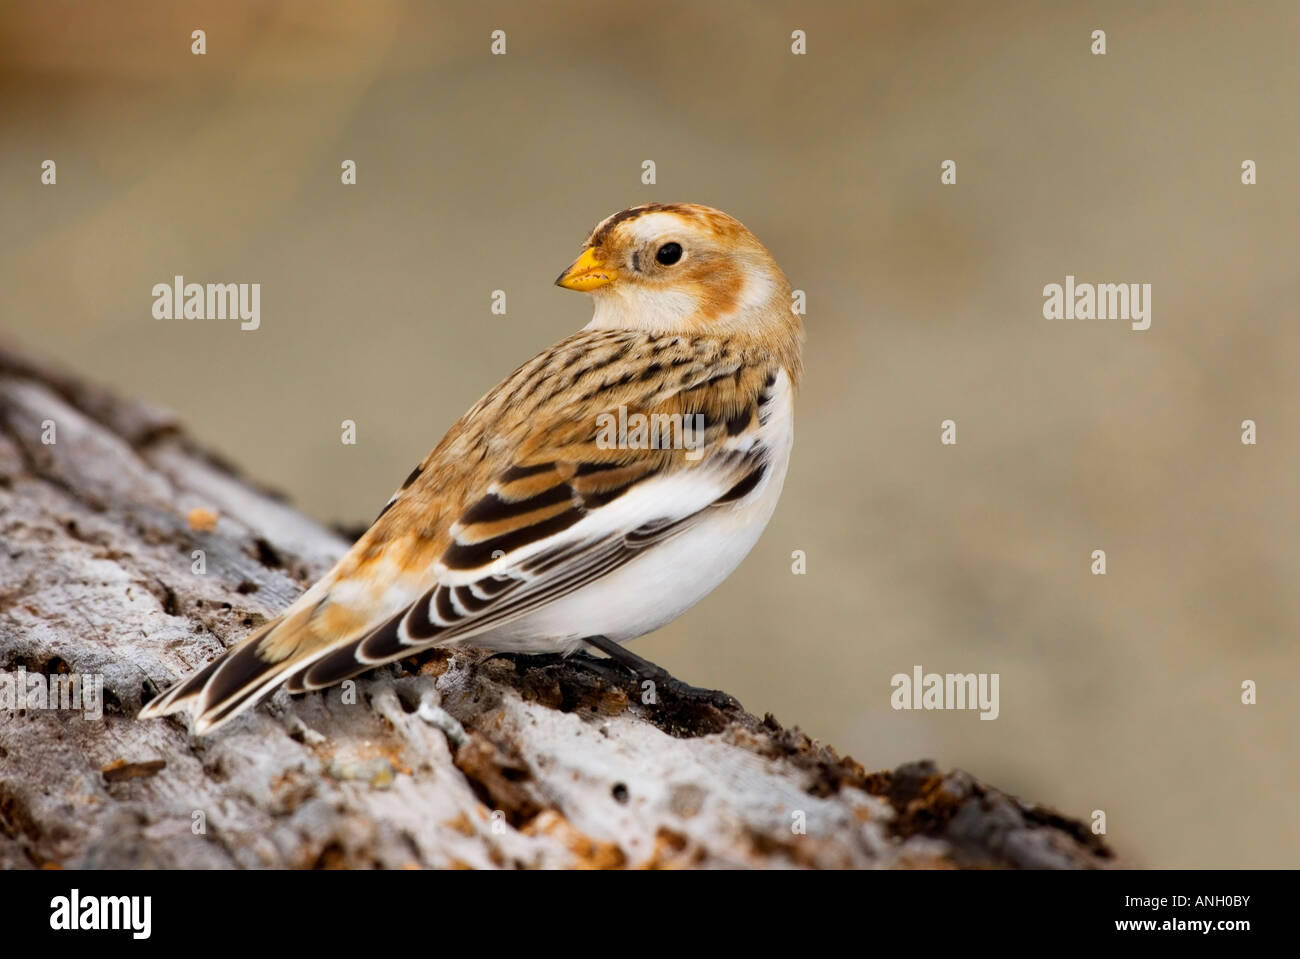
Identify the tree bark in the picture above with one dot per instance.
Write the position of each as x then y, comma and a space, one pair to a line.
442, 760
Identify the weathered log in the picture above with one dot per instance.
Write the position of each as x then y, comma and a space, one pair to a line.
440, 760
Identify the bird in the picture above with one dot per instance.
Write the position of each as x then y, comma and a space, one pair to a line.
553, 516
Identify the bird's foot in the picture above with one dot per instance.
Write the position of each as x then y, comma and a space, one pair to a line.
674, 687
661, 681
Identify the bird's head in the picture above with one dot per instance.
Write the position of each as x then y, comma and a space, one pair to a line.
679, 267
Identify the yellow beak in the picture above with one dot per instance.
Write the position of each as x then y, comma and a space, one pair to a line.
586, 273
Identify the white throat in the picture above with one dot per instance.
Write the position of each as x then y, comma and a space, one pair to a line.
667, 311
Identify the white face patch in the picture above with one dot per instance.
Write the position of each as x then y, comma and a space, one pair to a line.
652, 227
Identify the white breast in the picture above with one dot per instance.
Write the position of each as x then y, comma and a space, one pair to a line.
669, 577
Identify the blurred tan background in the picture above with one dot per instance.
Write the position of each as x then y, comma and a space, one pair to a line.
480, 172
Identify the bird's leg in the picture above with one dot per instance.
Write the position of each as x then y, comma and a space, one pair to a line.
602, 666
645, 670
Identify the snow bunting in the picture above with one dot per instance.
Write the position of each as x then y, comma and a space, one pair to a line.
597, 493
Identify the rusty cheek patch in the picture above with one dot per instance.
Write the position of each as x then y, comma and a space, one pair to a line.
721, 286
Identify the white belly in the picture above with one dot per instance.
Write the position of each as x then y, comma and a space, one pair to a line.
671, 576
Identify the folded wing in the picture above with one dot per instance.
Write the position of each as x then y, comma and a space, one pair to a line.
566, 511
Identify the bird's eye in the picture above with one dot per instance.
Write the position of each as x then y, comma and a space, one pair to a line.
669, 253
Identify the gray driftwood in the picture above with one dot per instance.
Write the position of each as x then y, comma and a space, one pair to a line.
441, 761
